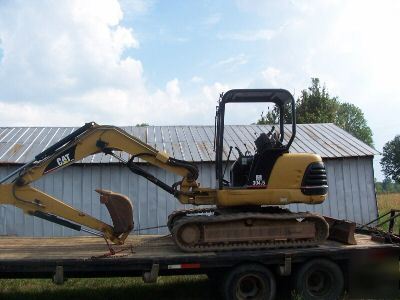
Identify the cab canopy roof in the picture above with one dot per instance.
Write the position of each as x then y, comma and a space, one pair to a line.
277, 96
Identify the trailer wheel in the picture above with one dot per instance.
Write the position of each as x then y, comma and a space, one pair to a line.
249, 281
319, 279
214, 276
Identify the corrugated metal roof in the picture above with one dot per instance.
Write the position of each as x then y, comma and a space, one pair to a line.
192, 143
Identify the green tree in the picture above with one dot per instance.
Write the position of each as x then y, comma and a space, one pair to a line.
378, 187
142, 125
351, 118
315, 105
387, 185
272, 115
390, 161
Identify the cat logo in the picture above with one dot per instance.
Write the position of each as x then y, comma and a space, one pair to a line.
63, 160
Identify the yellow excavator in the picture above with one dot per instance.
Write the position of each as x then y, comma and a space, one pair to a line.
244, 212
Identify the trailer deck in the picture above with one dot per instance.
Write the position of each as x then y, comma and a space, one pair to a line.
84, 256
135, 247
151, 256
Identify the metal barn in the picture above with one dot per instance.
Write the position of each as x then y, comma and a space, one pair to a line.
348, 162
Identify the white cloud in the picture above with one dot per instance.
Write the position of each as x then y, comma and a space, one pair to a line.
67, 62
216, 89
80, 49
197, 79
352, 46
76, 69
172, 88
357, 56
212, 20
236, 60
272, 76
249, 35
134, 7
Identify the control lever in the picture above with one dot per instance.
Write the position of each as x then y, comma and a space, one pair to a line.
247, 152
238, 150
271, 131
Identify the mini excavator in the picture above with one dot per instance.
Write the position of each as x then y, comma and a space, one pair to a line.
242, 213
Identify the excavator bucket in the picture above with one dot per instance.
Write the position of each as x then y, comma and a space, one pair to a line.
120, 209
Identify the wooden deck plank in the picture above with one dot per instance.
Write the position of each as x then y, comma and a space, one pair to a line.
83, 247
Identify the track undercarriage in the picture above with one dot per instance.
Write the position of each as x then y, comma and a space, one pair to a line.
216, 229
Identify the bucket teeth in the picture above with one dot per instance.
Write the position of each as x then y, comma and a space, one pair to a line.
121, 210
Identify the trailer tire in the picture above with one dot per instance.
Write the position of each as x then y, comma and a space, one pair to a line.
249, 281
215, 278
319, 279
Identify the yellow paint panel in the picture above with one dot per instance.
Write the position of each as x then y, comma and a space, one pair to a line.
284, 185
289, 169
236, 197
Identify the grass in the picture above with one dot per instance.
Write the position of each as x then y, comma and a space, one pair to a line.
175, 287
386, 202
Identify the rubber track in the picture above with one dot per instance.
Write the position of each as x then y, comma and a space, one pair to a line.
176, 215
179, 219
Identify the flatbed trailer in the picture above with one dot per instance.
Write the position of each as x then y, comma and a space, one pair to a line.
238, 273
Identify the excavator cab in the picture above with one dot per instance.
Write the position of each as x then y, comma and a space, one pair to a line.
253, 171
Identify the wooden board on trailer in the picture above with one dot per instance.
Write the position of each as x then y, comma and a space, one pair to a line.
141, 247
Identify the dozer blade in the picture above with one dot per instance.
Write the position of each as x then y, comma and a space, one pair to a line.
341, 230
120, 209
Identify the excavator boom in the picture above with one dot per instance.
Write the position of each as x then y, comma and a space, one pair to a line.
90, 139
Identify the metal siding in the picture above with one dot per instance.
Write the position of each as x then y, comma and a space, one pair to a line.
351, 195
142, 204
339, 180
183, 145
342, 135
312, 138
371, 195
351, 189
363, 191
331, 142
152, 203
339, 142
161, 202
67, 193
332, 193
355, 191
351, 192
348, 195
176, 146
204, 145
48, 185
192, 143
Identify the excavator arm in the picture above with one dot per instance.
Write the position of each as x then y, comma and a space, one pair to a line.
91, 139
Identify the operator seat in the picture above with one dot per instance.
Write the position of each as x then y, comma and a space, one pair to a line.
264, 160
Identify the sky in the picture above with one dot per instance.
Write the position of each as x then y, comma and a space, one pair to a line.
64, 63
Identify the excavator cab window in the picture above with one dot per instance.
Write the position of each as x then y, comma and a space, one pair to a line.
253, 170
